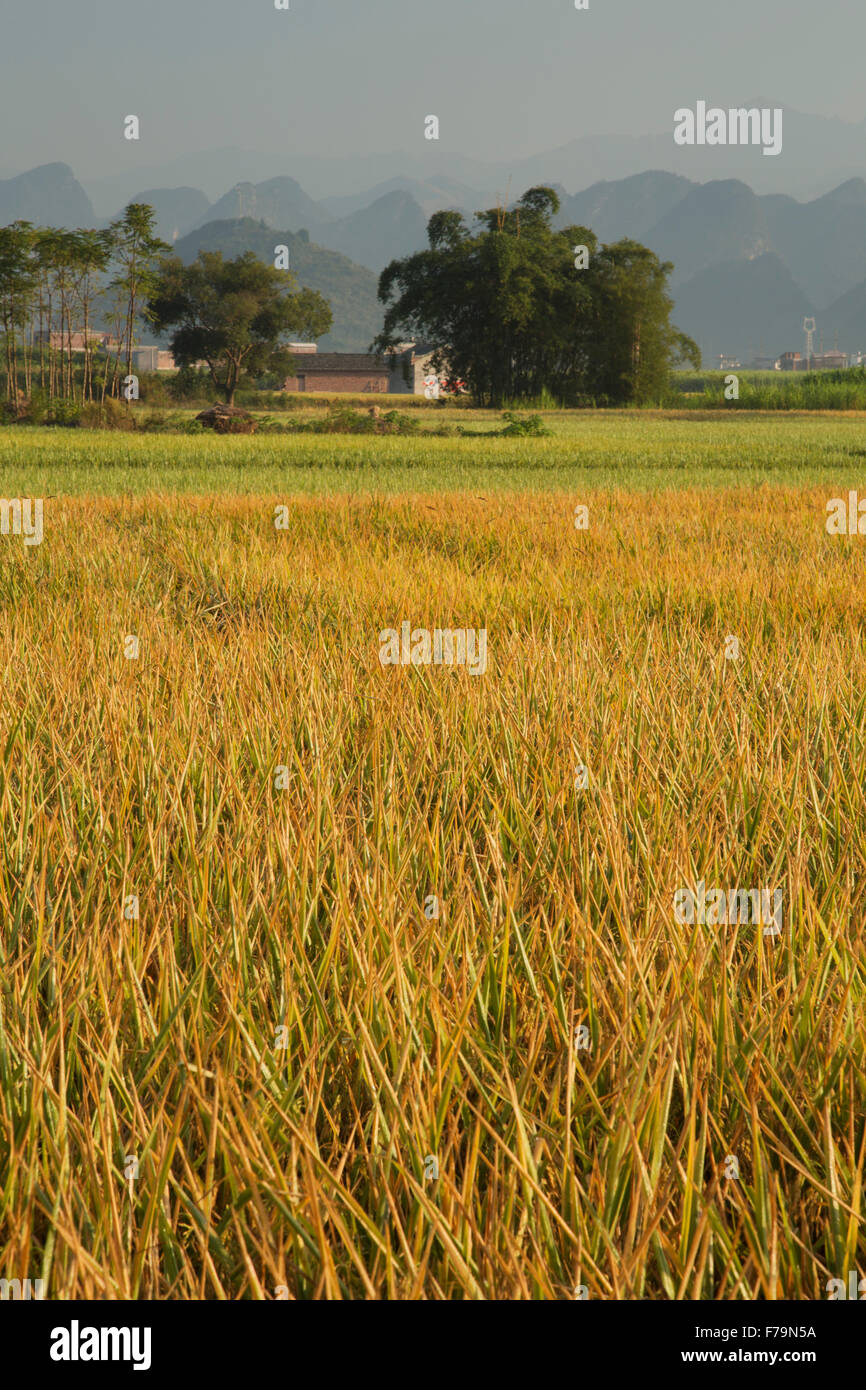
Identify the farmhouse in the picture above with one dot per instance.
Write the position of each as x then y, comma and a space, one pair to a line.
405, 371
411, 370
339, 371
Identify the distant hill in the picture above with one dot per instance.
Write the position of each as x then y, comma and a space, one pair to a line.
746, 307
809, 256
280, 202
823, 242
818, 154
713, 224
431, 195
49, 196
392, 227
845, 320
625, 208
177, 209
350, 289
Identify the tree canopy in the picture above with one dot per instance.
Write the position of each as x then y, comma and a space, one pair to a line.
509, 311
233, 315
53, 284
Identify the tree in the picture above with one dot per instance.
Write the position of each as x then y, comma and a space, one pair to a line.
17, 288
233, 315
55, 251
634, 340
136, 248
509, 311
69, 269
91, 253
52, 283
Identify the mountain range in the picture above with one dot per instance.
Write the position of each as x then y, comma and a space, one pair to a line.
818, 153
747, 266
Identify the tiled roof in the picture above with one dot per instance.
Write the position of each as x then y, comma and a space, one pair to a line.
340, 362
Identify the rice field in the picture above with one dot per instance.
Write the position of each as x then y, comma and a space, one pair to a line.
327, 979
646, 451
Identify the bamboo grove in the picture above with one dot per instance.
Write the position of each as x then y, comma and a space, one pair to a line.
56, 284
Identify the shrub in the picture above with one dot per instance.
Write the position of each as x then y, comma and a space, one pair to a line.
63, 412
395, 422
341, 419
189, 384
522, 425
37, 409
154, 389
109, 414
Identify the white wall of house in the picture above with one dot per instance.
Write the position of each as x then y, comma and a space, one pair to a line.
411, 373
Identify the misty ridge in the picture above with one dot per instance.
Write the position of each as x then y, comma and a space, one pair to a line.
748, 266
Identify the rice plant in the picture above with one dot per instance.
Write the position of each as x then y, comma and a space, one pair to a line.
324, 979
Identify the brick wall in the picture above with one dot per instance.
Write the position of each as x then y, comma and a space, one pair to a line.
354, 382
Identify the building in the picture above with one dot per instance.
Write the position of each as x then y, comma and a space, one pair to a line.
817, 362
356, 372
412, 372
406, 370
727, 364
828, 361
62, 341
791, 362
152, 359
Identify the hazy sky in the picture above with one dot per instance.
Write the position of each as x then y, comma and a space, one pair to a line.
507, 78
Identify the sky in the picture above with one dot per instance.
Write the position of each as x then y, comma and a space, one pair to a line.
507, 78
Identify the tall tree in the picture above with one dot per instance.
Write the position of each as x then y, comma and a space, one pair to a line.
233, 315
513, 307
91, 256
60, 246
634, 340
136, 249
17, 287
48, 251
